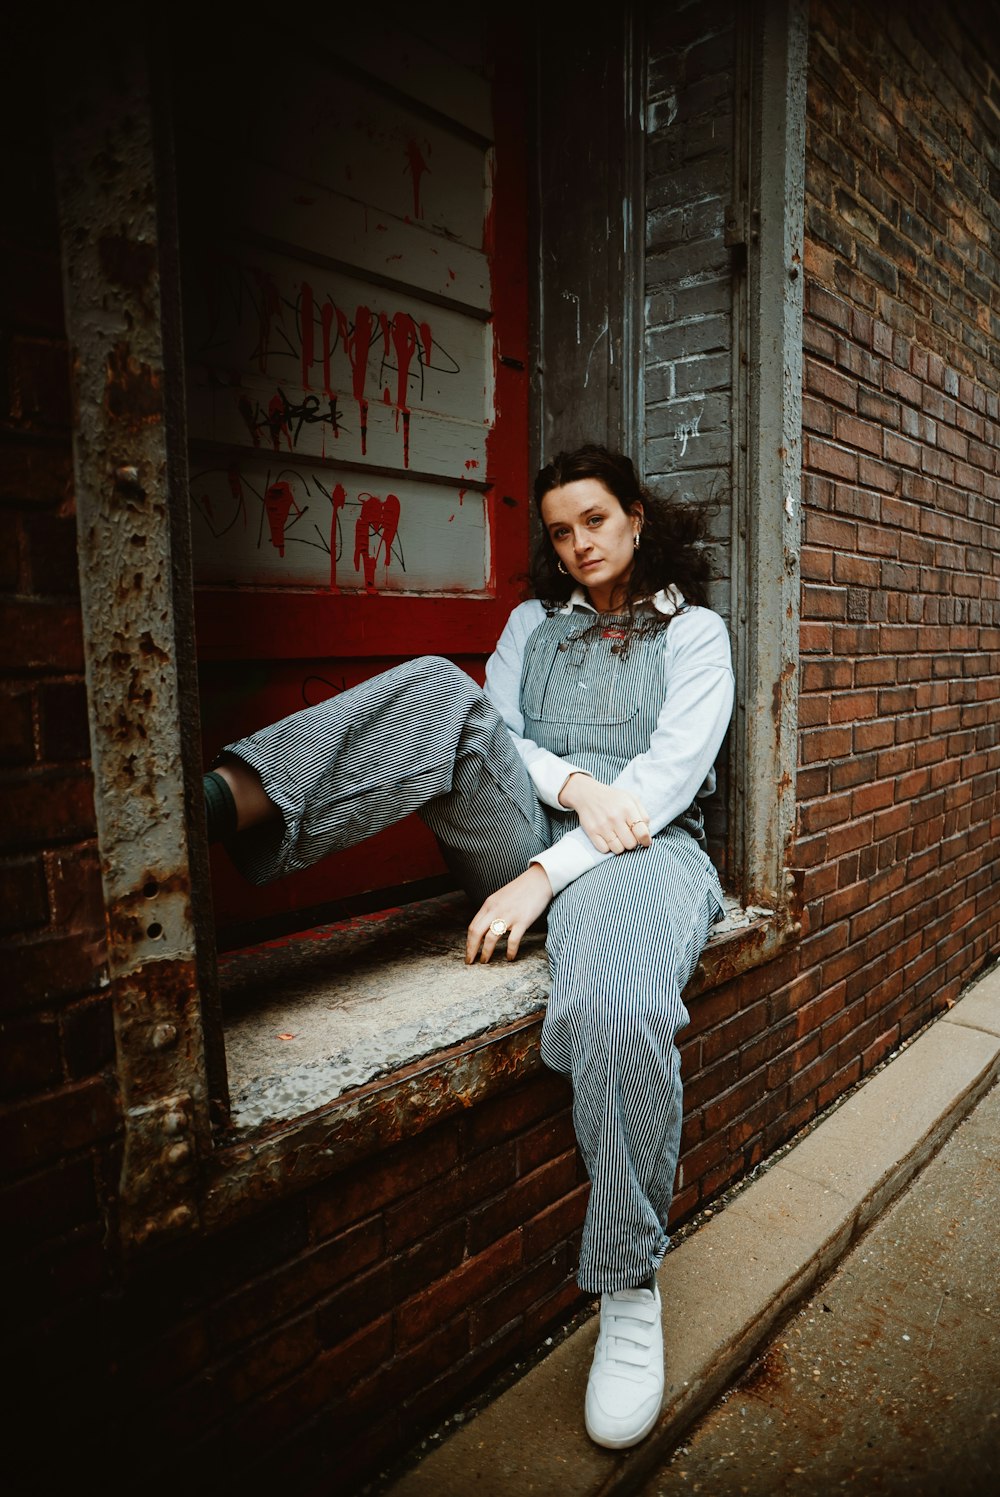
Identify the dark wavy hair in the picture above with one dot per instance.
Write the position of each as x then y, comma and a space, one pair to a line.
670, 548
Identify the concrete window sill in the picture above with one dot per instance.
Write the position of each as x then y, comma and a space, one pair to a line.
313, 1018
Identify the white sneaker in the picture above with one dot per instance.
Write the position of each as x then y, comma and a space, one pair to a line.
625, 1391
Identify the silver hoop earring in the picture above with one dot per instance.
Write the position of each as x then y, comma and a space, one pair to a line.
562, 569
635, 540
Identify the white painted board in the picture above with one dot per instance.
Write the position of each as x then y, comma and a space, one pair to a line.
262, 523
296, 358
259, 200
345, 135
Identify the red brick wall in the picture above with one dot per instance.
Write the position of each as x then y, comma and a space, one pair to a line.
901, 567
329, 1334
896, 846
58, 1110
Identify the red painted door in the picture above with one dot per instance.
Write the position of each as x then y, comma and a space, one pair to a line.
355, 304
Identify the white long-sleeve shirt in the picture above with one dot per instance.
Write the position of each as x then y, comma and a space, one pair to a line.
692, 721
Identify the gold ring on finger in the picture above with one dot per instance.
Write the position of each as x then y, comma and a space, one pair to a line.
499, 927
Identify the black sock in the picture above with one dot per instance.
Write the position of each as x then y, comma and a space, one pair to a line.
220, 808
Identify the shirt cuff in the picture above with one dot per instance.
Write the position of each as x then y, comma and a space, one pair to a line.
549, 774
568, 859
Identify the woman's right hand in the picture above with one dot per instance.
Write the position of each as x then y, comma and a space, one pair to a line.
613, 819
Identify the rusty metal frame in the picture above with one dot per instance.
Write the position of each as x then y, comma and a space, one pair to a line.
770, 159
135, 589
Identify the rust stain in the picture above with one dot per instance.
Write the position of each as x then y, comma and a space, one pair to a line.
133, 393
130, 264
766, 1376
723, 963
795, 878
777, 690
156, 1004
132, 920
149, 647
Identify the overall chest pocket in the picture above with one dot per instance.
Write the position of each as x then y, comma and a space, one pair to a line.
579, 682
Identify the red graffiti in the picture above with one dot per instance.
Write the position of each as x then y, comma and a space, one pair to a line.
278, 502
376, 515
269, 306
416, 166
306, 319
338, 499
470, 463
404, 338
277, 420
357, 342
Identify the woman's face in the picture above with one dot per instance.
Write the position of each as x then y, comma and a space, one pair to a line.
594, 538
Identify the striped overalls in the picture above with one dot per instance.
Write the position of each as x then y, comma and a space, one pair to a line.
622, 939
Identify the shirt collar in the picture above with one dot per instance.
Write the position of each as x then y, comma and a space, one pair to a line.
669, 600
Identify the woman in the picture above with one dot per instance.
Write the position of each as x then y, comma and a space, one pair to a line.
570, 785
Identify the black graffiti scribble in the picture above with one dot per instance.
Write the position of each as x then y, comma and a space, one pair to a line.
238, 299
282, 414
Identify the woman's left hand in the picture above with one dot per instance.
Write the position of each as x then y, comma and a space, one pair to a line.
517, 905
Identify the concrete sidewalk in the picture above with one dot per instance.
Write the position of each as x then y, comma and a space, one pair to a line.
885, 1380
727, 1285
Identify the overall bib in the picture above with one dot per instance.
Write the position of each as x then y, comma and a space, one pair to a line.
622, 939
